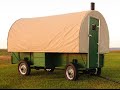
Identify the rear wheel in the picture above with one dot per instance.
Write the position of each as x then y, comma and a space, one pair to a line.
71, 72
98, 72
24, 68
49, 69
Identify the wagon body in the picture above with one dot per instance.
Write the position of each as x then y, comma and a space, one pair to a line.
58, 60
74, 42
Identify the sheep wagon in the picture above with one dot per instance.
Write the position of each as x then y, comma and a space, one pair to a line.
75, 42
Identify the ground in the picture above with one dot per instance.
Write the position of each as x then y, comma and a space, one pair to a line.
39, 79
4, 57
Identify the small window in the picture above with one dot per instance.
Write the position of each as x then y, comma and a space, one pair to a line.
93, 26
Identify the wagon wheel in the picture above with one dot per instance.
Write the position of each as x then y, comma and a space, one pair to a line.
71, 72
49, 69
24, 68
92, 71
98, 72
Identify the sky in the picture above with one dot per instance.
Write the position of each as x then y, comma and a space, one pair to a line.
12, 10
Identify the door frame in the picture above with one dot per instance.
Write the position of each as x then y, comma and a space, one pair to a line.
98, 42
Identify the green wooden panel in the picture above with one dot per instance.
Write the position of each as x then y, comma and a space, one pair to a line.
37, 54
25, 55
62, 59
32, 58
101, 60
39, 59
81, 58
51, 59
55, 59
15, 58
93, 42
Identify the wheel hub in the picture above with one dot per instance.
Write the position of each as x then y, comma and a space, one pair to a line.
70, 73
22, 68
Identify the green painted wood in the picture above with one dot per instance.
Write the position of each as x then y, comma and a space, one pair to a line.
93, 42
101, 60
14, 58
55, 59
62, 59
81, 59
39, 59
31, 58
25, 56
39, 62
51, 59
37, 54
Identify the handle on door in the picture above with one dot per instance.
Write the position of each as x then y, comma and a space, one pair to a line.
90, 35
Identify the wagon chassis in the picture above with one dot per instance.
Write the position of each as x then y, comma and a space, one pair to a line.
72, 70
69, 77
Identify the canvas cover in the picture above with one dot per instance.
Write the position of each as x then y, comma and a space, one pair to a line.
66, 33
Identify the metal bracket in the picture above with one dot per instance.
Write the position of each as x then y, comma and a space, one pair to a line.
97, 26
90, 35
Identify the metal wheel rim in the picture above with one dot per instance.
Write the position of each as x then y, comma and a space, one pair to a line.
48, 69
70, 73
23, 68
96, 70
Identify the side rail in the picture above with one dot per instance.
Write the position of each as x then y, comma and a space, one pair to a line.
15, 57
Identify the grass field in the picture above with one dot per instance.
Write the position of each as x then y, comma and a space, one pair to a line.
39, 79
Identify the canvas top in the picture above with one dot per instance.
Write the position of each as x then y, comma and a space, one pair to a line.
67, 33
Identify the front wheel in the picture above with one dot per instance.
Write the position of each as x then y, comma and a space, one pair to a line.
24, 68
71, 72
